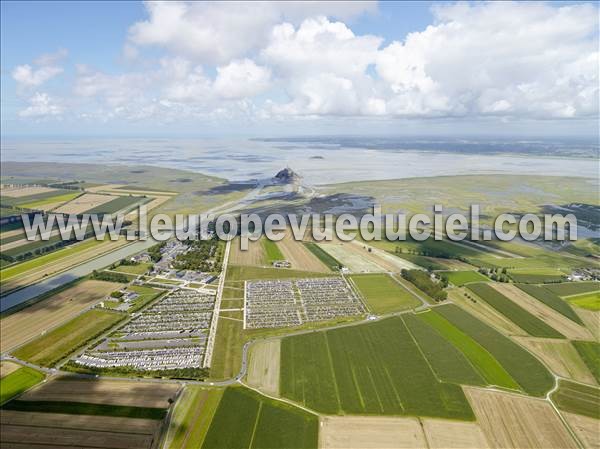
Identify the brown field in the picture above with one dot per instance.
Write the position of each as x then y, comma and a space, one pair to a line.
443, 434
25, 324
454, 264
512, 421
263, 368
591, 320
560, 356
484, 312
385, 260
85, 202
349, 432
587, 429
18, 192
89, 422
33, 436
8, 367
300, 257
562, 324
255, 254
35, 274
116, 392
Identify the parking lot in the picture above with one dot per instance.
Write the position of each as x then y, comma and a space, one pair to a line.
170, 334
281, 303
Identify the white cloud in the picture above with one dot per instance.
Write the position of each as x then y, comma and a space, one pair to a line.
217, 32
497, 58
41, 105
240, 79
27, 76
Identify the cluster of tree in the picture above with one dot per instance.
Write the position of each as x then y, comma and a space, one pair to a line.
423, 281
109, 276
116, 294
39, 251
470, 297
180, 373
154, 251
425, 249
203, 255
496, 274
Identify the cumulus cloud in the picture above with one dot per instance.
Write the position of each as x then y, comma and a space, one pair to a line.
44, 69
240, 79
217, 32
302, 59
41, 105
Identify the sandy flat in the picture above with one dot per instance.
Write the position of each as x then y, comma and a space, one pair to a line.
445, 434
587, 429
484, 312
369, 432
513, 421
18, 192
561, 323
7, 367
254, 255
83, 203
351, 258
591, 320
299, 256
560, 356
263, 368
25, 324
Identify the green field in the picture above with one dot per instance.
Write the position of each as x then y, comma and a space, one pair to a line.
245, 419
113, 206
383, 294
577, 398
82, 408
523, 367
147, 294
192, 416
272, 250
528, 277
590, 354
573, 288
15, 270
448, 363
460, 278
23, 201
422, 261
63, 198
374, 368
545, 295
323, 256
486, 365
521, 317
589, 301
54, 346
243, 273
139, 268
18, 381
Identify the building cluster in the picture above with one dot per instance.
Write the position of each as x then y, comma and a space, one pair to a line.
171, 334
281, 303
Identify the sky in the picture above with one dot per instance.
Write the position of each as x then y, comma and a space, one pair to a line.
299, 68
